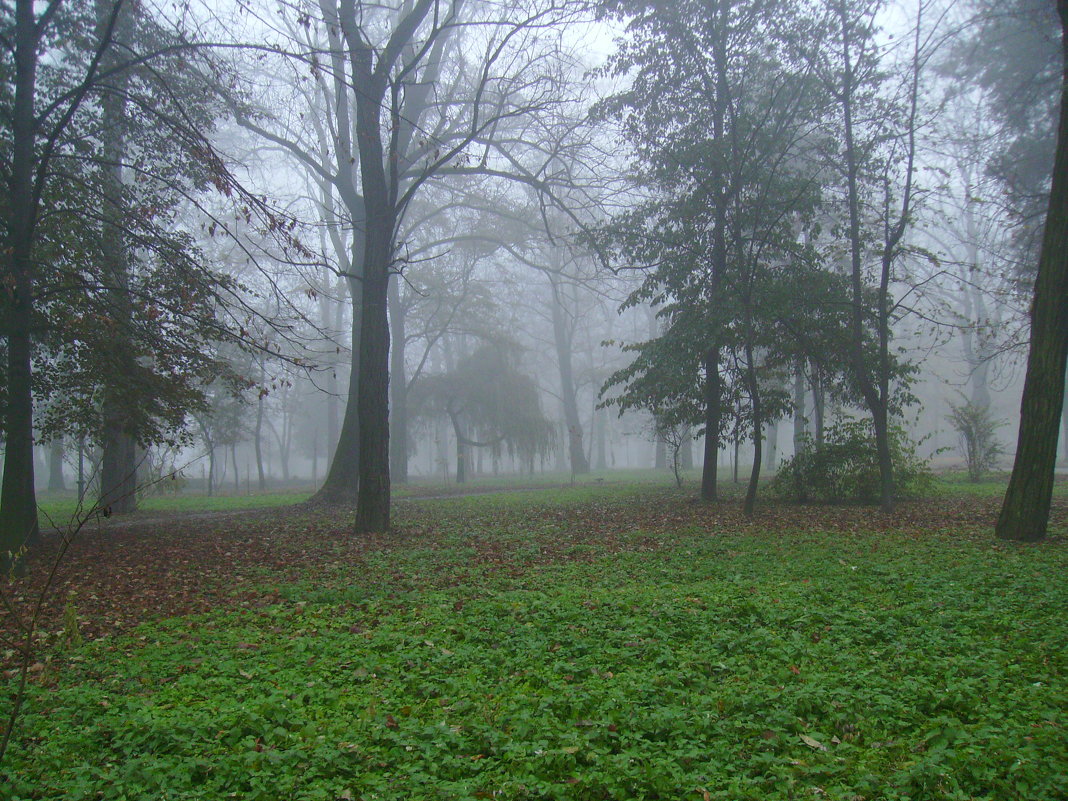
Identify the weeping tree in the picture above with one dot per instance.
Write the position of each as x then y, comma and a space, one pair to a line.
490, 404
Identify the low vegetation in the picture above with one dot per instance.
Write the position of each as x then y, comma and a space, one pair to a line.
600, 642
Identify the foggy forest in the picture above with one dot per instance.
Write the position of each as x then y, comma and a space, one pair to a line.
529, 399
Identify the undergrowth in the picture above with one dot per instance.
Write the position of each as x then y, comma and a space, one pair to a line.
687, 663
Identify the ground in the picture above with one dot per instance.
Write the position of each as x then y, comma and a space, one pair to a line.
607, 641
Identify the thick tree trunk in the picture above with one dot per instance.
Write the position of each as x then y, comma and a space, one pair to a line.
373, 497
660, 459
342, 479
398, 384
709, 470
1064, 429
18, 503
1025, 511
461, 460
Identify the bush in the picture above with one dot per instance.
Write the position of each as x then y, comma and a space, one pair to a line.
845, 467
976, 429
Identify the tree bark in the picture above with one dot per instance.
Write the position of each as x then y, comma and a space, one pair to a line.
753, 387
118, 467
258, 438
373, 497
1025, 511
710, 468
55, 466
799, 405
398, 383
686, 449
18, 503
563, 339
342, 479
600, 425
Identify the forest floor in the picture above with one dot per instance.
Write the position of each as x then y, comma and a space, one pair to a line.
598, 641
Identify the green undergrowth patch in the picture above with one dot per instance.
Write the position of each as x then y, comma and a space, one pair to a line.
57, 509
694, 665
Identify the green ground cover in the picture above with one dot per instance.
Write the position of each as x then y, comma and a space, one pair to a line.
60, 507
491, 655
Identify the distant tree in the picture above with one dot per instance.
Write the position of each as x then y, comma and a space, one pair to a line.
490, 404
977, 431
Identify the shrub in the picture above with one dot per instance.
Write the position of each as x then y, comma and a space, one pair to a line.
976, 429
845, 467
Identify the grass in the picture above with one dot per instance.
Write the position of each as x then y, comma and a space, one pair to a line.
61, 507
491, 653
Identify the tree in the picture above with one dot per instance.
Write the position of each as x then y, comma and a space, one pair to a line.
1025, 511
872, 145
976, 429
38, 124
489, 404
717, 113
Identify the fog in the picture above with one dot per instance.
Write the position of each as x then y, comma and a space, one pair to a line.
343, 248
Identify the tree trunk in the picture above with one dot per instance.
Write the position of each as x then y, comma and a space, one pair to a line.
600, 424
258, 440
1025, 512
737, 448
398, 384
342, 479
799, 405
118, 469
819, 407
772, 452
1064, 428
461, 460
660, 461
55, 465
758, 431
563, 339
373, 496
18, 503
686, 450
709, 470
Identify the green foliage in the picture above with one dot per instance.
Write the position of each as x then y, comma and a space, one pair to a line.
977, 429
845, 467
694, 664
